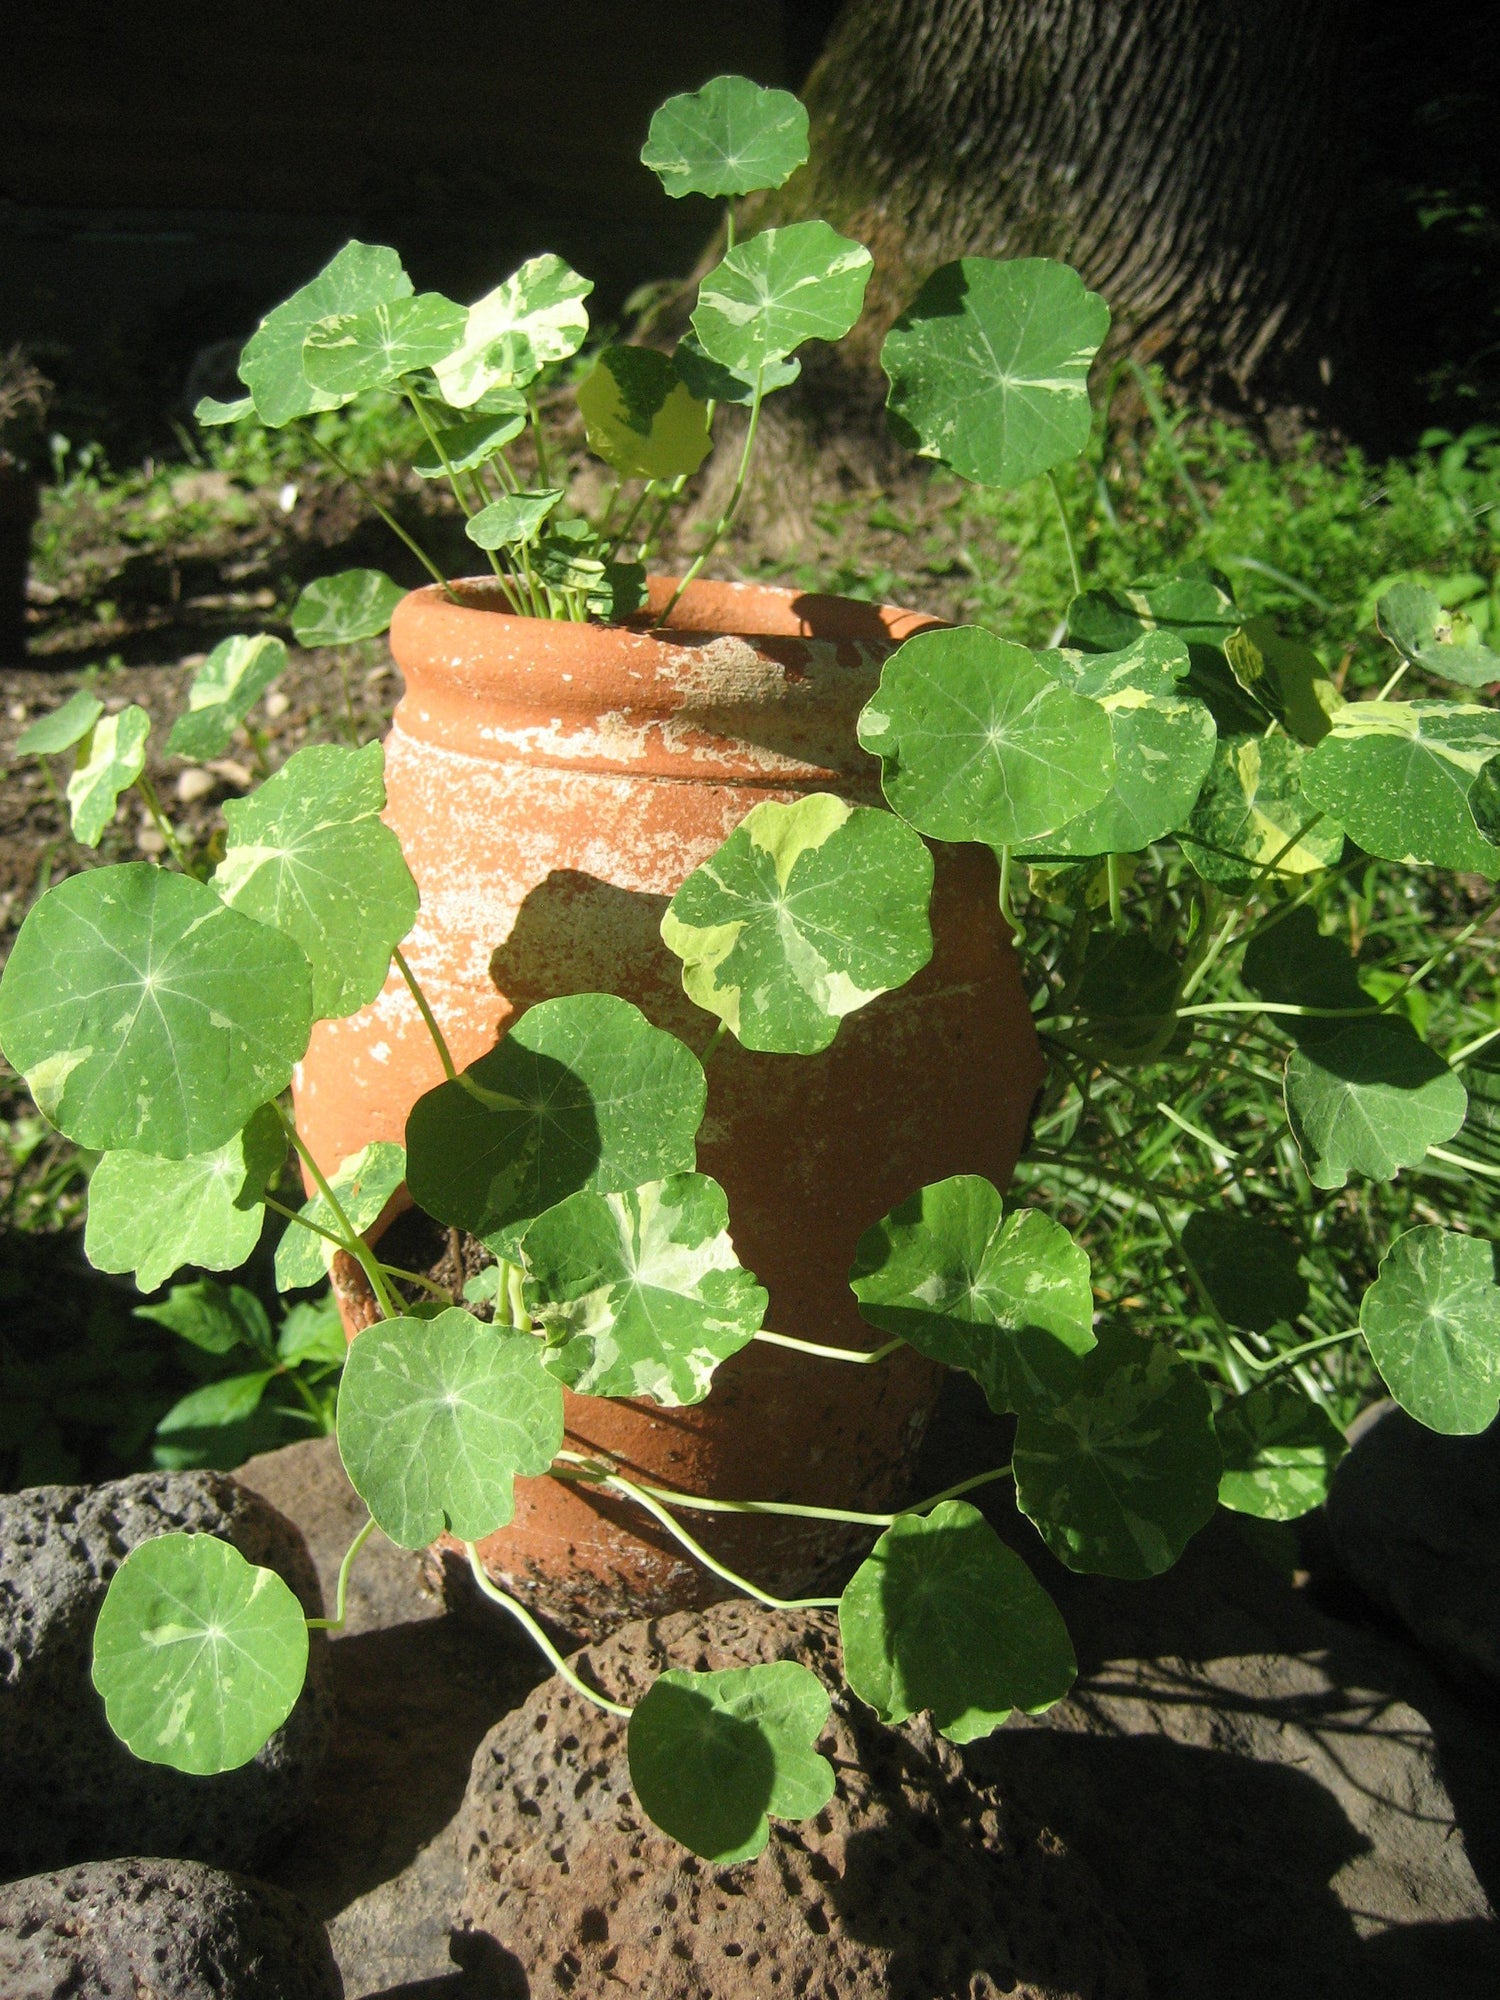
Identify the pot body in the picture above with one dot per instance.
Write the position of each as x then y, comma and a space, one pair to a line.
552, 785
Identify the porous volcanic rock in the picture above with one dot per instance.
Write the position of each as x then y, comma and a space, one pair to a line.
914, 1884
159, 1930
71, 1789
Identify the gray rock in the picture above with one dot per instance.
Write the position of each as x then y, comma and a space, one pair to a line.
916, 1883
72, 1791
159, 1930
1414, 1521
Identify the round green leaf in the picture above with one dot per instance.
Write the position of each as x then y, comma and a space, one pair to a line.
950, 1279
711, 1754
1397, 776
337, 610
1163, 750
210, 411
640, 1294
1294, 965
641, 417
598, 1100
514, 517
1150, 663
772, 292
1249, 1268
979, 742
363, 1184
350, 352
1369, 1100
511, 334
1253, 810
729, 138
807, 912
62, 727
152, 1216
1117, 1464
437, 1417
308, 854
466, 446
145, 1014
1279, 1449
942, 1615
711, 382
361, 276
200, 1656
1285, 677
989, 367
1432, 1322
1439, 641
225, 689
1194, 605
117, 756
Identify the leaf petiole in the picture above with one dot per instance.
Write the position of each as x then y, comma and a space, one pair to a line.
538, 1637
336, 1622
822, 1353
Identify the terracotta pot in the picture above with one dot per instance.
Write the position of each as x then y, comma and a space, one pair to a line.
552, 785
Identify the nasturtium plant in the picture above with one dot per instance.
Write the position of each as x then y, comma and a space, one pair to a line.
989, 367
942, 1616
806, 913
582, 1094
1432, 1322
945, 1274
1213, 860
225, 688
712, 1754
640, 1294
200, 1655
436, 1419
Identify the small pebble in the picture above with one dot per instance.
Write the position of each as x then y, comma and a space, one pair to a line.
277, 704
286, 499
17, 711
150, 840
233, 773
194, 783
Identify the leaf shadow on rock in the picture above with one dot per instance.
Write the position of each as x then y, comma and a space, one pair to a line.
1270, 1794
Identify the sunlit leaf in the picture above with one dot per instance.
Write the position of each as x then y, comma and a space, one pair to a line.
364, 1184
1253, 811
218, 1318
1117, 1464
1163, 750
350, 352
1432, 1322
807, 912
151, 1216
1369, 1101
640, 416
225, 689
217, 1404
337, 610
1194, 605
942, 1616
1151, 663
210, 411
978, 742
1285, 677
309, 855
116, 758
436, 1418
146, 1014
62, 727
989, 367
1279, 1449
1249, 1268
711, 382
465, 446
513, 518
200, 1656
640, 1294
729, 138
313, 1332
1397, 776
591, 1096
535, 317
777, 289
945, 1274
360, 277
711, 1754
1440, 641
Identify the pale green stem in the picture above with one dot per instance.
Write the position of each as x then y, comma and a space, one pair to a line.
1394, 679
722, 526
306, 1221
592, 1469
701, 1554
1067, 532
1193, 1132
1461, 1056
153, 806
538, 1637
353, 1242
712, 1044
1017, 935
537, 438
336, 1622
1469, 1166
493, 1100
622, 534
1112, 878
347, 472
1292, 1354
822, 1353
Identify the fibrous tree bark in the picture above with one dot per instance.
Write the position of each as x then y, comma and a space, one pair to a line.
1191, 158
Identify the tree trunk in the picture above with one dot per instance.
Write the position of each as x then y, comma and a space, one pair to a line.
1190, 158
